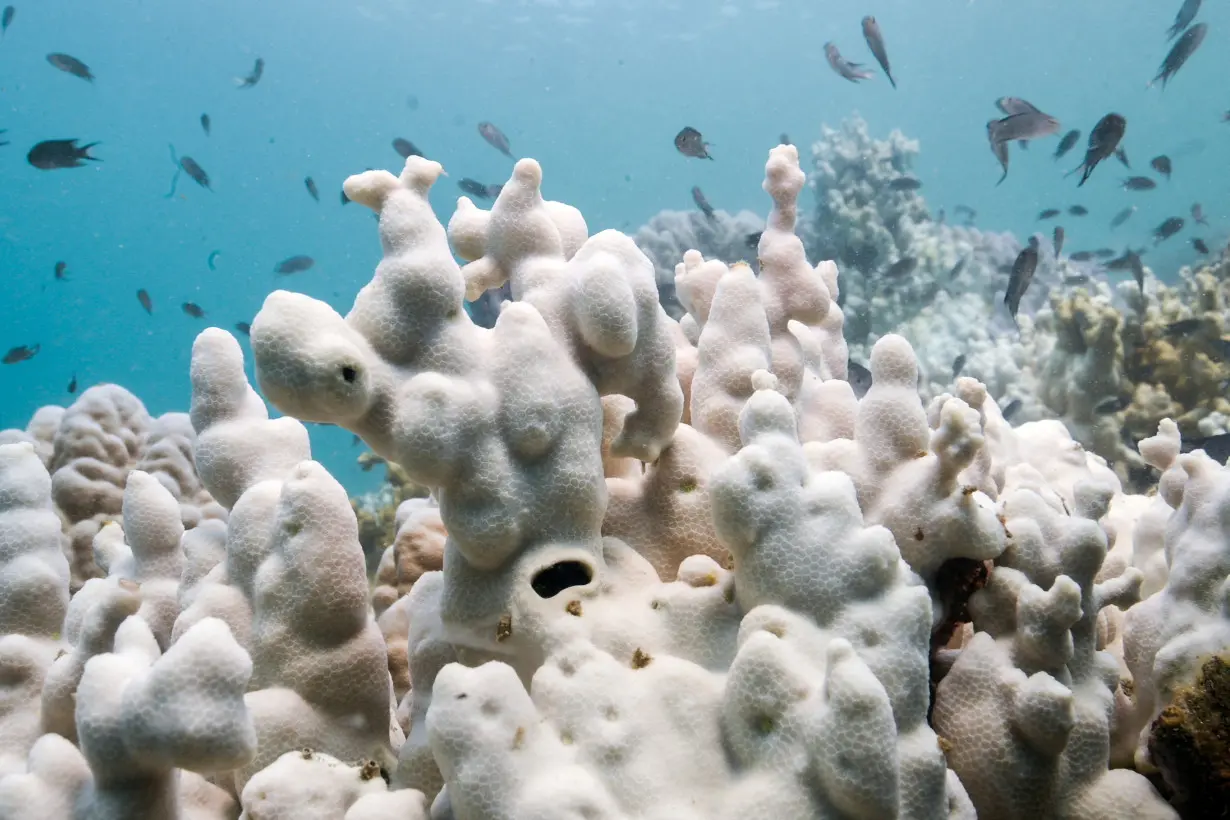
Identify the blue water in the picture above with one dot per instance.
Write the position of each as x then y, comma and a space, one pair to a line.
594, 89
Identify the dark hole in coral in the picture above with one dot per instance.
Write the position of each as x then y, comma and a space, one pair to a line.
553, 580
349, 374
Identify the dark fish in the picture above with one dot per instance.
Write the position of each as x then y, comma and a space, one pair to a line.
859, 378
1074, 279
406, 149
244, 328
146, 302
690, 143
2, 132
212, 257
1183, 327
698, 196
494, 189
1067, 143
354, 442
875, 42
205, 122
957, 268
958, 364
1215, 447
1161, 165
902, 267
474, 188
905, 184
1049, 213
1187, 13
255, 77
784, 139
1057, 239
1122, 262
1028, 125
193, 309
1184, 47
1138, 184
999, 149
6, 19
345, 199
1010, 409
1022, 274
495, 138
1078, 210
1199, 245
62, 271
52, 154
1123, 216
194, 170
1081, 256
412, 102
1198, 215
20, 354
72, 385
1111, 404
1105, 253
752, 240
294, 264
1167, 229
970, 213
1103, 140
851, 71
1138, 270
70, 65
1122, 156
312, 190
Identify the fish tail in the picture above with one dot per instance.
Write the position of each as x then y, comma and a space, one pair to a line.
84, 152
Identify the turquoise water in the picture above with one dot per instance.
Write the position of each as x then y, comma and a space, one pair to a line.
594, 89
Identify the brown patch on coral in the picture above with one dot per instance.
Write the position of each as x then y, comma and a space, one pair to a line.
1190, 743
503, 630
641, 659
956, 581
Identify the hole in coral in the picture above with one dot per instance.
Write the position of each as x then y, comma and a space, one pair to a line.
551, 581
349, 374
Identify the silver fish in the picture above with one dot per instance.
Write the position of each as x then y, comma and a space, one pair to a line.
999, 149
1022, 274
875, 42
850, 71
1187, 13
1029, 125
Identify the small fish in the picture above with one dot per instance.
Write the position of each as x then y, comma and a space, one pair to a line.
1074, 279
957, 268
1111, 404
1162, 165
205, 124
474, 188
3, 131
1067, 143
1078, 210
1049, 213
253, 78
1103, 140
213, 257
850, 71
6, 19
1123, 262
23, 353
969, 213
1183, 327
905, 184
193, 309
146, 302
698, 196
875, 42
345, 199
1010, 409
752, 240
902, 267
194, 170
71, 65
61, 271
52, 154
1022, 274
495, 138
1121, 155
690, 143
1123, 216
1028, 125
999, 149
1105, 253
1138, 270
1184, 48
1167, 229
1199, 245
859, 378
406, 149
312, 190
412, 102
244, 328
958, 364
1138, 184
1081, 256
294, 264
72, 384
784, 139
1198, 215
1057, 239
1187, 13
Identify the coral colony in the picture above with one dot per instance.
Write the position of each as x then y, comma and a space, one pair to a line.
667, 569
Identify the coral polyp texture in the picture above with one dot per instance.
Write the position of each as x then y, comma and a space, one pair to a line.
665, 568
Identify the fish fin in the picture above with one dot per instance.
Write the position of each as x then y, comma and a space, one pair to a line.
891, 80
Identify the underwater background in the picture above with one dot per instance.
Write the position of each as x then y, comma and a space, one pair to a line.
594, 89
